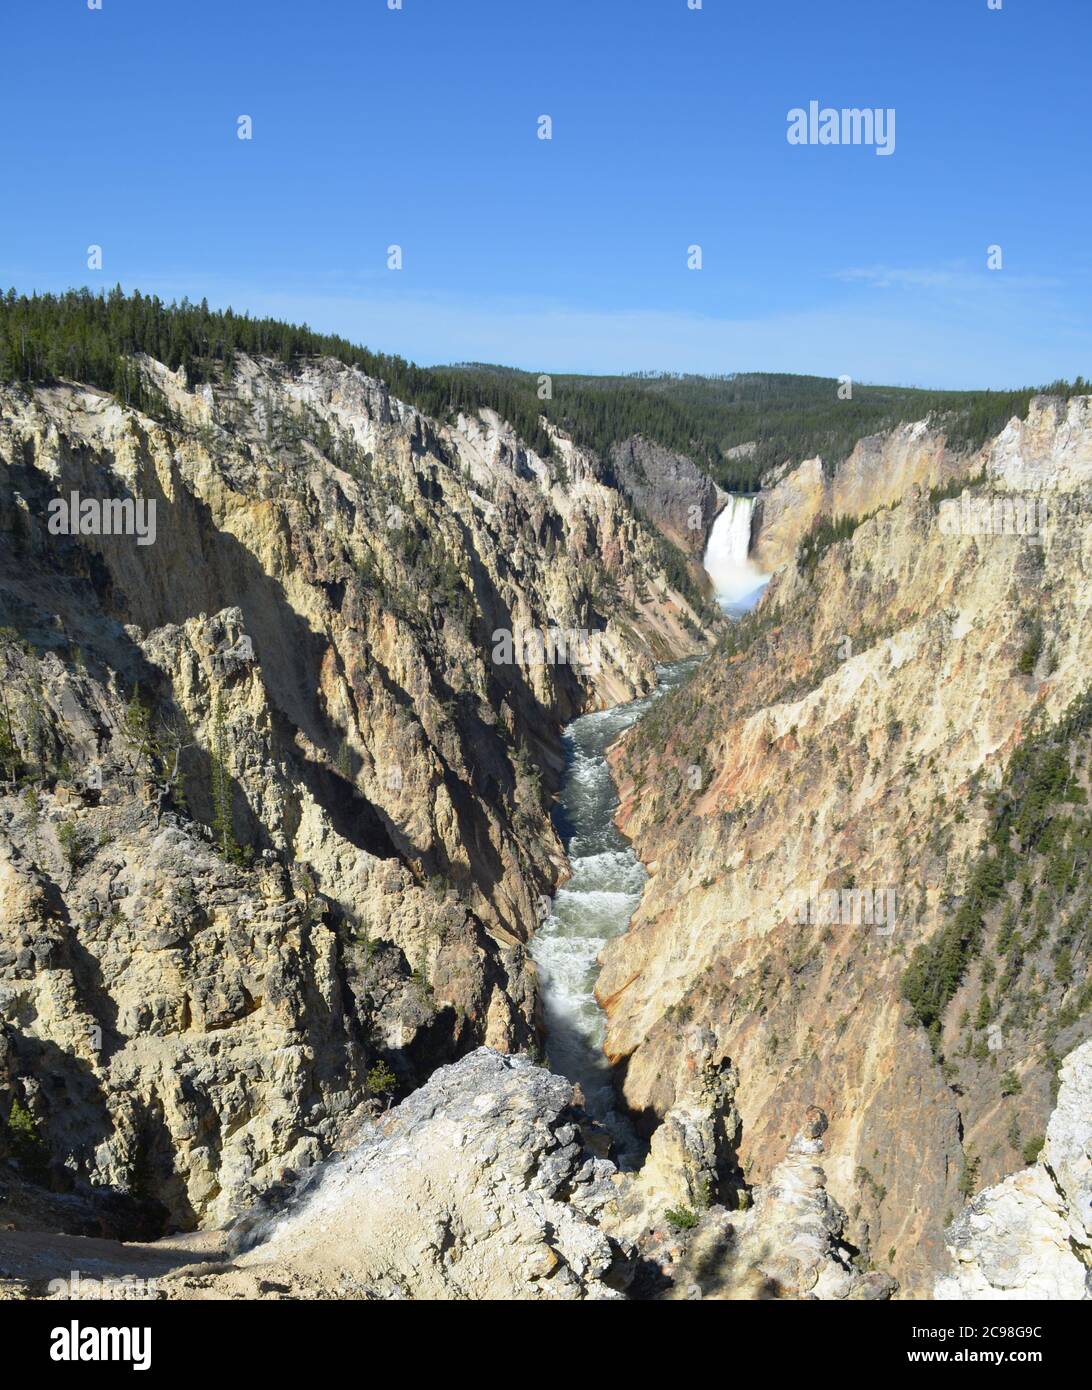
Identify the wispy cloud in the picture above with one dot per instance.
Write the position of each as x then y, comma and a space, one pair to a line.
929, 327
885, 277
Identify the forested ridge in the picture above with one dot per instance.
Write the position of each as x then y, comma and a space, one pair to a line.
91, 338
786, 417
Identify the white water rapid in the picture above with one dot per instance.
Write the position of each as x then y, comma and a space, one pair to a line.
607, 877
595, 904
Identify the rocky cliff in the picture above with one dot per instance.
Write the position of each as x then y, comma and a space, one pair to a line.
865, 822
880, 470
274, 818
1031, 1235
668, 489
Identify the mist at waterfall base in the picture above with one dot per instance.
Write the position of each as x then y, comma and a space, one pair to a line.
737, 581
594, 905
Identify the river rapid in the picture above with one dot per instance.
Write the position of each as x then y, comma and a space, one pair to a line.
595, 904
607, 877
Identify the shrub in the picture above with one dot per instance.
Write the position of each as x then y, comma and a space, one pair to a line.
76, 843
825, 532
381, 1081
681, 1218
24, 1140
1032, 648
1033, 1148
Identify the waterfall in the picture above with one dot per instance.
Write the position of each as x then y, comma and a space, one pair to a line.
736, 580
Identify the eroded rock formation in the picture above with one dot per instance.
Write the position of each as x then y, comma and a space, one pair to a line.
274, 818
487, 1183
668, 489
1031, 1235
880, 470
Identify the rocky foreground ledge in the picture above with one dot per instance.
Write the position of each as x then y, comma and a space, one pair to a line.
1031, 1235
489, 1183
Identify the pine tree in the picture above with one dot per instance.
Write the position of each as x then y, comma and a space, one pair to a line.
25, 1142
138, 729
9, 747
34, 715
222, 824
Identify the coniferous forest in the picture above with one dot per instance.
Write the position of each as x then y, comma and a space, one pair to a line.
87, 337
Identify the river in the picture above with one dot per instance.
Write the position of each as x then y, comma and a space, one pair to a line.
597, 901
607, 877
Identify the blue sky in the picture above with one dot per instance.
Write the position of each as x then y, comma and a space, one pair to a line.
418, 127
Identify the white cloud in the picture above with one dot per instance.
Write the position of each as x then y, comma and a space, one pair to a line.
915, 278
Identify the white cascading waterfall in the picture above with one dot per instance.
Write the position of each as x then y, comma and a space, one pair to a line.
737, 581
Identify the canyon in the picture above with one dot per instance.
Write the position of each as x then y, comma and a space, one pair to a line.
291, 918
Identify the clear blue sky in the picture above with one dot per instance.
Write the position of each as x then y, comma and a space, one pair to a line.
419, 127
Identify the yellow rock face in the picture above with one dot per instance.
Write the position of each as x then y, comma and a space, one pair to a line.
851, 745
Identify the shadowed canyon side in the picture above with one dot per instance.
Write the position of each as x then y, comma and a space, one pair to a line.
905, 716
275, 821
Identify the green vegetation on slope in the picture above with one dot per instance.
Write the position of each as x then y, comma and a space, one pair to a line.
826, 531
786, 417
1032, 874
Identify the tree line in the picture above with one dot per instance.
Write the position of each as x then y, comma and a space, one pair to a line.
91, 338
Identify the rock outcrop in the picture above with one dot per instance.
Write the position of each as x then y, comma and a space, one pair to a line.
691, 1160
489, 1183
476, 1187
1030, 1237
793, 1239
701, 1233
668, 489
